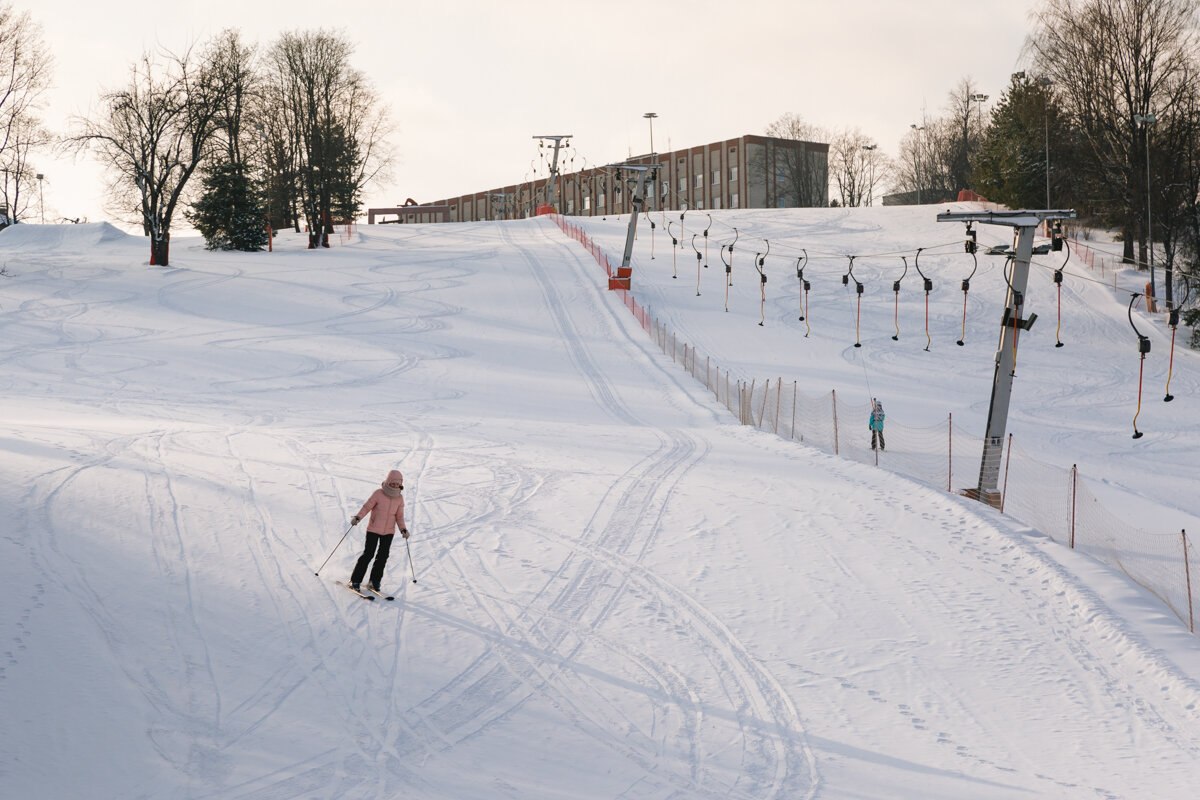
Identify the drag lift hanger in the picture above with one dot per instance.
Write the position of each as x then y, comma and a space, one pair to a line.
896, 289
928, 288
1057, 243
970, 246
728, 266
674, 249
1143, 349
805, 286
759, 263
858, 290
1025, 224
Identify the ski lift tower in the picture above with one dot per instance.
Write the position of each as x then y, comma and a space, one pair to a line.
1025, 224
553, 183
644, 172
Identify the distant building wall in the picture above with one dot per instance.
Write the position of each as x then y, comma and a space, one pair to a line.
747, 172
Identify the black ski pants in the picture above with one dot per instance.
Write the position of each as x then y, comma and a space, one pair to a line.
378, 546
876, 440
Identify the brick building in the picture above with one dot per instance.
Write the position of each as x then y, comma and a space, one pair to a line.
747, 172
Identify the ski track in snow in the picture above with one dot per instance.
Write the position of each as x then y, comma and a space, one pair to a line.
709, 716
585, 589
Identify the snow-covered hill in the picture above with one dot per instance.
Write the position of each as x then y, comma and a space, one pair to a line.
622, 592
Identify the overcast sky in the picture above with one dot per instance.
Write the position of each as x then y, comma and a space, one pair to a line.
470, 82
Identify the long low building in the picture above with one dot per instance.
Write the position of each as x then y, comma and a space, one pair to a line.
747, 172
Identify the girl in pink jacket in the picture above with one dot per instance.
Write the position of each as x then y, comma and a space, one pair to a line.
386, 505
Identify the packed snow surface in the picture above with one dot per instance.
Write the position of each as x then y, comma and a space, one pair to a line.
621, 592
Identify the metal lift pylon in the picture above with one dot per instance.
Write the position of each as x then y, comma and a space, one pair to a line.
1025, 224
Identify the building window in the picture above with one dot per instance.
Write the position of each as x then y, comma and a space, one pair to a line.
716, 177
733, 200
699, 180
700, 204
716, 203
683, 184
733, 174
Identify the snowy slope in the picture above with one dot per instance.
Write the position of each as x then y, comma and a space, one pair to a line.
622, 593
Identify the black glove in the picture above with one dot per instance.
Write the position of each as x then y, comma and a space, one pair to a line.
354, 521
404, 532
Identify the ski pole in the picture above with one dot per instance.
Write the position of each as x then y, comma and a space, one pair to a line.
334, 550
410, 564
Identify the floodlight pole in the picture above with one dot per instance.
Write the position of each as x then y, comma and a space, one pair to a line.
553, 190
1026, 224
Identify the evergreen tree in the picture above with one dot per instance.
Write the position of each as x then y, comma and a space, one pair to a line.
228, 213
1010, 168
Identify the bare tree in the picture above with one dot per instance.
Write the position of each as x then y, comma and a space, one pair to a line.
233, 66
154, 133
17, 175
967, 126
799, 173
1175, 193
856, 167
1113, 62
335, 122
924, 167
24, 77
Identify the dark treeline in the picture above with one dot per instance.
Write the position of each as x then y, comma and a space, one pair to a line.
1105, 119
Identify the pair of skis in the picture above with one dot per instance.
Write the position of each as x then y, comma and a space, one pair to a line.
370, 594
373, 594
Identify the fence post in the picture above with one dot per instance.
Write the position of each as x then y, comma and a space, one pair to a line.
1188, 574
1007, 464
795, 392
778, 400
763, 410
1074, 492
835, 424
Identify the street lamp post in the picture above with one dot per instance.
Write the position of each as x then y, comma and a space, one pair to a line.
41, 198
1046, 83
980, 99
871, 187
650, 115
917, 160
1145, 121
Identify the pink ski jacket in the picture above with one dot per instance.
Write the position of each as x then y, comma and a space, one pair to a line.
387, 512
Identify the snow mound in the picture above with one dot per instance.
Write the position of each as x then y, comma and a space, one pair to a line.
80, 238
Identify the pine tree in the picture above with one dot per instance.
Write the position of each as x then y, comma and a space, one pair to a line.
229, 214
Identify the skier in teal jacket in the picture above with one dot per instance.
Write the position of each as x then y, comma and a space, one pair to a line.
876, 424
